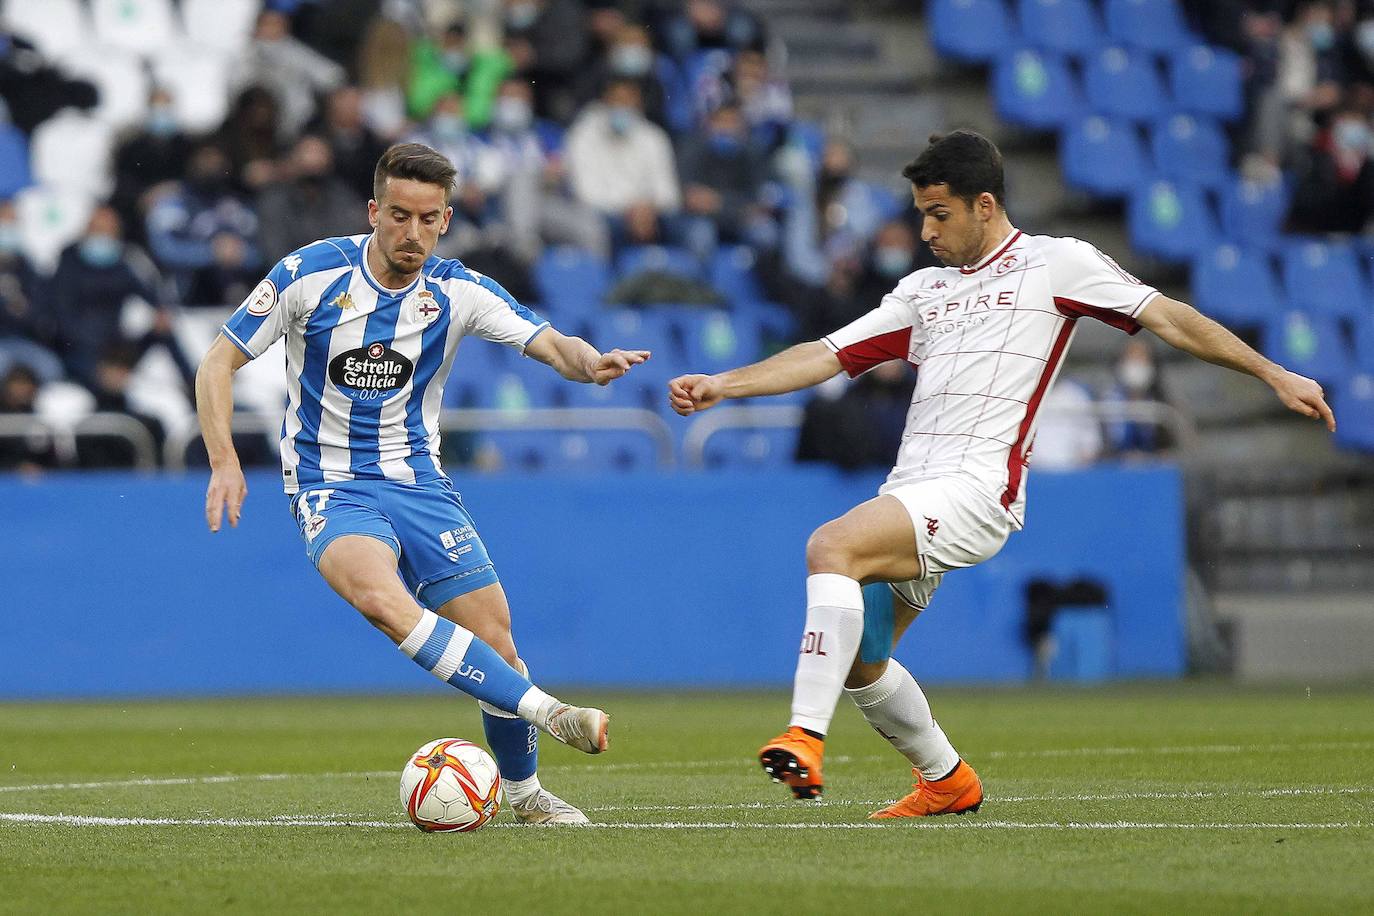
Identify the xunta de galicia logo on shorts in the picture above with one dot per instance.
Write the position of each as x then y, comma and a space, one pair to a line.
371, 373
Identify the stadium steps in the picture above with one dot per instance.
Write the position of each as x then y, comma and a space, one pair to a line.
1326, 639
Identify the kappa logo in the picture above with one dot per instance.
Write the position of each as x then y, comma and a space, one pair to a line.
343, 300
932, 525
940, 284
292, 263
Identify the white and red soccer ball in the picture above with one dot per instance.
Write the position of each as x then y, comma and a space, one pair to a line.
450, 785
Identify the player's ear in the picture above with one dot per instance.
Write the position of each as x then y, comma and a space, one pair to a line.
448, 215
372, 211
987, 205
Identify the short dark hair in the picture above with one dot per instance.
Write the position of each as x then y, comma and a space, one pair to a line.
416, 162
965, 160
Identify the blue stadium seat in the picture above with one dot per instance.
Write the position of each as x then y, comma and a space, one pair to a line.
573, 450
570, 279
1035, 90
751, 448
1252, 213
715, 341
1124, 83
1152, 25
975, 31
1236, 286
1062, 26
1364, 346
731, 273
1207, 81
1103, 157
1189, 149
640, 329
525, 385
477, 363
14, 161
1353, 404
636, 390
1308, 344
1324, 278
1170, 221
659, 258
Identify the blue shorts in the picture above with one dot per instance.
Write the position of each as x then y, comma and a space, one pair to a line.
438, 552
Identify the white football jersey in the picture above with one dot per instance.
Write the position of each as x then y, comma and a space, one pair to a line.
987, 341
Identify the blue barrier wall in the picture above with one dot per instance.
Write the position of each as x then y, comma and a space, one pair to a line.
112, 585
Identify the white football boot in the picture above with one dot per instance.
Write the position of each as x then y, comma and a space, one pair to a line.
547, 810
581, 727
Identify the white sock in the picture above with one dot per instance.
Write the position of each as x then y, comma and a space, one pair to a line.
834, 627
897, 709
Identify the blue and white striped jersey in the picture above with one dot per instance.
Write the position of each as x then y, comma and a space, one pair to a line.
366, 365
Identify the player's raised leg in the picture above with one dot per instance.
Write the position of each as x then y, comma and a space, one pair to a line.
513, 741
873, 541
362, 569
893, 703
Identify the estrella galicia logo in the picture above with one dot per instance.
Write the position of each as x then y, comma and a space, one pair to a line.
367, 374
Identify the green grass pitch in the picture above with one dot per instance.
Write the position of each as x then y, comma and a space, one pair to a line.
1150, 798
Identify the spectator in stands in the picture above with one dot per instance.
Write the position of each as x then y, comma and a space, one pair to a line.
479, 179
833, 215
765, 99
234, 269
862, 427
453, 65
288, 68
893, 254
1334, 191
250, 137
114, 372
1307, 83
621, 165
383, 74
722, 177
533, 202
187, 217
630, 56
1137, 382
27, 328
354, 145
157, 153
94, 279
308, 203
708, 24
26, 454
1069, 434
550, 43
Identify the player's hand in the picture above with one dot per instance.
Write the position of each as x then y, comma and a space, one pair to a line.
615, 364
690, 393
227, 490
1303, 395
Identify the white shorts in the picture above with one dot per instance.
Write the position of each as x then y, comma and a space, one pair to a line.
957, 525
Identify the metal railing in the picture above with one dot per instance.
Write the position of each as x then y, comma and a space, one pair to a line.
63, 437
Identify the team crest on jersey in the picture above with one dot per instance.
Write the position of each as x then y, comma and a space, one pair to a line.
343, 300
313, 526
1007, 263
263, 298
425, 308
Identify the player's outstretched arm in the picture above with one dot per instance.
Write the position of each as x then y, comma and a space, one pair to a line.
215, 408
1180, 325
795, 368
578, 361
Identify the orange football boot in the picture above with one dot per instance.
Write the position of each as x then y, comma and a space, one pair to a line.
794, 757
958, 793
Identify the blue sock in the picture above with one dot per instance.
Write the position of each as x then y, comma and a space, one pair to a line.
513, 742
455, 656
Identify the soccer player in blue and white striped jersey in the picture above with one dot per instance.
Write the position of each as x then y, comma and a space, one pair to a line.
372, 324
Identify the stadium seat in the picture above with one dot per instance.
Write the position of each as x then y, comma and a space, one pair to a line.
50, 219
1252, 212
72, 150
478, 362
1236, 286
731, 272
1364, 346
738, 449
1124, 83
1353, 405
1170, 221
14, 161
198, 79
1189, 149
975, 31
1308, 344
570, 279
54, 26
1035, 90
716, 341
659, 259
1324, 278
640, 329
119, 78
565, 450
1207, 81
1152, 25
1103, 156
1061, 26
223, 24
142, 26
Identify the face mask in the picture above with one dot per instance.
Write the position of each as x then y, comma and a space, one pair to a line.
1352, 136
161, 122
512, 115
621, 119
521, 15
892, 262
9, 238
1136, 375
447, 126
100, 250
632, 60
725, 143
1322, 36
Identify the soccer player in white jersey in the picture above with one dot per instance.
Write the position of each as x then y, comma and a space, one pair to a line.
987, 334
372, 325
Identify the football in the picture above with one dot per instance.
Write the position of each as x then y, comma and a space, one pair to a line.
450, 785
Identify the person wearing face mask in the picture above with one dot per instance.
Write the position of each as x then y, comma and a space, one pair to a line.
833, 215
722, 179
631, 56
27, 330
1137, 381
621, 165
554, 46
186, 218
454, 64
1335, 186
297, 209
480, 175
154, 155
292, 71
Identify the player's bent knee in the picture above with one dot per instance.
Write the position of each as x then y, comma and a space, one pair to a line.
826, 551
381, 607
